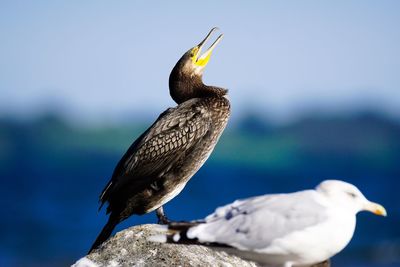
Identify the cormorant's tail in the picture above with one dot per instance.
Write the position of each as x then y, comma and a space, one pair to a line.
105, 232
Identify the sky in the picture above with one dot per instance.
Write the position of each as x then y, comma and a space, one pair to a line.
106, 60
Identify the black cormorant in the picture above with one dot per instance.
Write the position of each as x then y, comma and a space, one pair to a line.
161, 161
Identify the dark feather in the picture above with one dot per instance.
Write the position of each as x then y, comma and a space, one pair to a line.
175, 131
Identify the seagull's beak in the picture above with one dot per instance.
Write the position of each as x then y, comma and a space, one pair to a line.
202, 60
375, 208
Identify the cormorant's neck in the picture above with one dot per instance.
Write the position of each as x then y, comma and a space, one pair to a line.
185, 87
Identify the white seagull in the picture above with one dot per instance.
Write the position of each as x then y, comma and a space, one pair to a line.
295, 229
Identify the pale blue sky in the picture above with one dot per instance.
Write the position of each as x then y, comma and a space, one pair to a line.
104, 59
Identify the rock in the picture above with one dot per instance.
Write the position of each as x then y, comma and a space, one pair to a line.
131, 247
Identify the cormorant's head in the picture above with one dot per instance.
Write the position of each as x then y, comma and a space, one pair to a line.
193, 61
185, 81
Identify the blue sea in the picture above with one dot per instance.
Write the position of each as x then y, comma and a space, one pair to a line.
52, 174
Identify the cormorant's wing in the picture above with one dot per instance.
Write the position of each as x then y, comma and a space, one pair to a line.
253, 224
176, 131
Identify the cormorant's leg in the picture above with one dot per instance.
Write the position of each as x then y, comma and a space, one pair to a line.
162, 218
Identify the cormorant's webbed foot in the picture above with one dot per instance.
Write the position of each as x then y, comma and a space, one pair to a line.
162, 218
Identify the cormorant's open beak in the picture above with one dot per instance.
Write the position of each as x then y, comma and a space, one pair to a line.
375, 208
203, 59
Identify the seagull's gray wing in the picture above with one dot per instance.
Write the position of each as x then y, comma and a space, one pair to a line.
252, 224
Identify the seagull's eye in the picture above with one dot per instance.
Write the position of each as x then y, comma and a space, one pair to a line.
353, 195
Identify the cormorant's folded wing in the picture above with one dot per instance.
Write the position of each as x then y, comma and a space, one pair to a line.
176, 131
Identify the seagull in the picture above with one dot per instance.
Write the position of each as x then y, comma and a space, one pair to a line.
295, 229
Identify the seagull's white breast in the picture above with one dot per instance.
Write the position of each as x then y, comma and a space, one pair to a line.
316, 243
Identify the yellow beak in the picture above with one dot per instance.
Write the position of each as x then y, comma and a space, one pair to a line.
375, 208
203, 59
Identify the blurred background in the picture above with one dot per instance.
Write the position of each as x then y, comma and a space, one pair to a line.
314, 87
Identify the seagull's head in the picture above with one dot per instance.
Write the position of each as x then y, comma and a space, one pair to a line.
348, 197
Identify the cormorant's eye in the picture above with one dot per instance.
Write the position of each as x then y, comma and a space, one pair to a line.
193, 52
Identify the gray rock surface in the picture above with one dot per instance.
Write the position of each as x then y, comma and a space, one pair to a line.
131, 247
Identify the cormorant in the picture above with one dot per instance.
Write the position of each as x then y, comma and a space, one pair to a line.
161, 161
